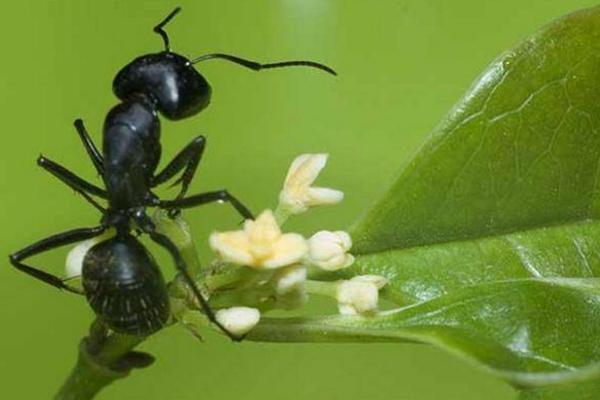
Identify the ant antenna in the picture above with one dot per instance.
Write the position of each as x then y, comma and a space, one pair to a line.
258, 66
159, 28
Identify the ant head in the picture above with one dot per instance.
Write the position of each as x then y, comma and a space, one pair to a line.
170, 79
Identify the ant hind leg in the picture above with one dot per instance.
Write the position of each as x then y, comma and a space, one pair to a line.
49, 243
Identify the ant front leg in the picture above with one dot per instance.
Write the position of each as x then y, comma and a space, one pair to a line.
76, 183
90, 147
187, 160
144, 222
206, 198
49, 243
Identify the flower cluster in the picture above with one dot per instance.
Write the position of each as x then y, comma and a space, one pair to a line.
262, 246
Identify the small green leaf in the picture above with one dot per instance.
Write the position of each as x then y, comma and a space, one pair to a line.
483, 227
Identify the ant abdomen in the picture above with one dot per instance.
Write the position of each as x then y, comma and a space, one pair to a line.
124, 286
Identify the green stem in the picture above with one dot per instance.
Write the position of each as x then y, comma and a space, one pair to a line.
86, 379
328, 289
282, 214
325, 329
100, 363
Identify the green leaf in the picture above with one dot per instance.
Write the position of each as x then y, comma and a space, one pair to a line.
481, 229
519, 151
531, 332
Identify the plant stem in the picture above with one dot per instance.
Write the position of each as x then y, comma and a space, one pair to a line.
98, 364
325, 329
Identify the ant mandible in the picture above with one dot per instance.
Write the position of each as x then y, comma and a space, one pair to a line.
120, 279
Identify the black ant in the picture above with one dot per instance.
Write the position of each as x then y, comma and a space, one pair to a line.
120, 279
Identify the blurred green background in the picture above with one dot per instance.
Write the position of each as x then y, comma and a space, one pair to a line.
402, 64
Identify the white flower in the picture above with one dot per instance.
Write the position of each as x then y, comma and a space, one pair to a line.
298, 194
260, 244
360, 294
328, 250
238, 320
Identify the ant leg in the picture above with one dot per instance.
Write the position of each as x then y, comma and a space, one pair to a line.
165, 242
206, 198
187, 160
49, 243
90, 147
148, 226
81, 186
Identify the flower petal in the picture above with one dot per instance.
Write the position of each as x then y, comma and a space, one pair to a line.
336, 263
289, 249
317, 196
232, 247
263, 229
305, 169
345, 239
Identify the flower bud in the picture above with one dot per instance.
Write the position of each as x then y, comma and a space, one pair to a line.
360, 294
238, 320
298, 194
328, 250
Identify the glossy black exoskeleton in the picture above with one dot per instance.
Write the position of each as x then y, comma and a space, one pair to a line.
124, 285
121, 280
